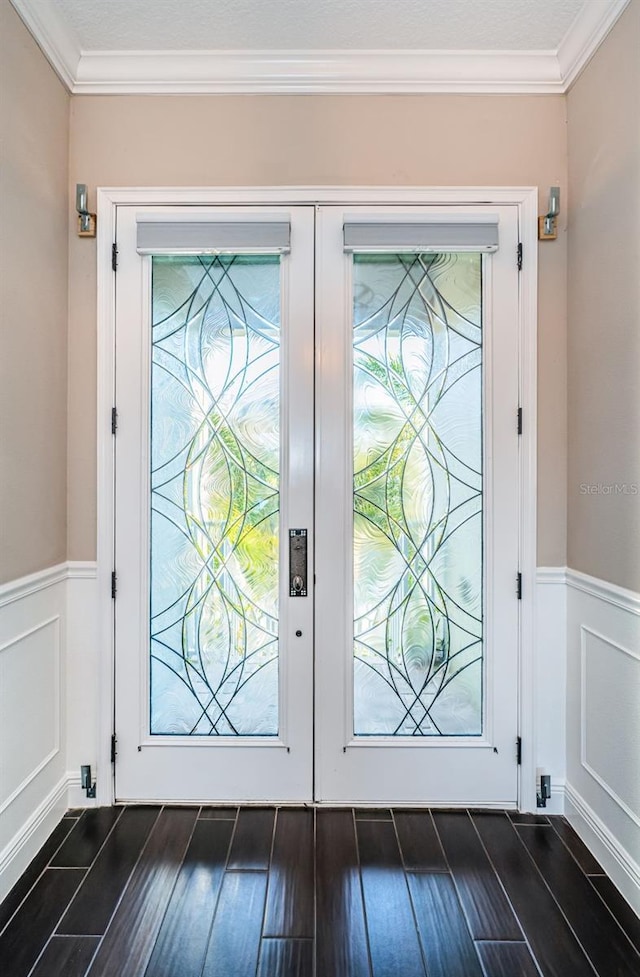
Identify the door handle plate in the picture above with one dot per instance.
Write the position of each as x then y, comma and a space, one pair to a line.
297, 562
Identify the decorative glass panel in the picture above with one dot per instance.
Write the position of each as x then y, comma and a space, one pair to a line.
215, 460
418, 578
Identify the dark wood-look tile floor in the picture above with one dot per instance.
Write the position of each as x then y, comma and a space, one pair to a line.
290, 892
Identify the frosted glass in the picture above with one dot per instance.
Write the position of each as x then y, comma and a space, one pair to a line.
215, 460
417, 490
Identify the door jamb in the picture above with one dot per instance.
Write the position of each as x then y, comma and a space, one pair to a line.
108, 199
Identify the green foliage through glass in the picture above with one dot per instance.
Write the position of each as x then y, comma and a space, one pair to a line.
417, 494
215, 460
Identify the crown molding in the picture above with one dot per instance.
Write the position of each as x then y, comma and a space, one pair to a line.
53, 37
113, 72
318, 71
585, 36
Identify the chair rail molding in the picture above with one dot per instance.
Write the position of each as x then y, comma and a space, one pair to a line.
16, 590
626, 600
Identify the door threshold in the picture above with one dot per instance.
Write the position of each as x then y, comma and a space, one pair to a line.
333, 805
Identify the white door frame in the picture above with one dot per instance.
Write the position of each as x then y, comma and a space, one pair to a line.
108, 199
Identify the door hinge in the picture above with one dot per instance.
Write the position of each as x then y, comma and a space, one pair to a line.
114, 256
519, 255
114, 420
519, 585
113, 748
519, 751
519, 420
113, 584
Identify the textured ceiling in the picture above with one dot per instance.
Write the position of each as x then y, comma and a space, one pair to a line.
307, 24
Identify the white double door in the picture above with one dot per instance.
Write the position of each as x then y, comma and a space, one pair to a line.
316, 540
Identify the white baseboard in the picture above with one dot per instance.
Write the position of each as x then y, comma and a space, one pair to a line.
27, 842
76, 795
556, 803
617, 862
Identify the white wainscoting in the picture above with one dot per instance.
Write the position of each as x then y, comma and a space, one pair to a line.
32, 735
603, 725
30, 722
45, 639
587, 655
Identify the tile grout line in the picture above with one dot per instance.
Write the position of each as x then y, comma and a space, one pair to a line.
38, 877
408, 888
506, 894
525, 938
457, 889
266, 893
53, 933
72, 868
229, 807
550, 891
574, 857
124, 889
444, 854
246, 871
225, 867
222, 877
266, 940
97, 854
66, 868
314, 945
170, 896
364, 905
511, 943
610, 910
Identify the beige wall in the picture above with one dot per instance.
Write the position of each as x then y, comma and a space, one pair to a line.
604, 310
34, 121
429, 140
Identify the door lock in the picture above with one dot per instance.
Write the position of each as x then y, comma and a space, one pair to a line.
297, 562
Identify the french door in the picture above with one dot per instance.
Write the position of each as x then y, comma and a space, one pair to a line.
316, 501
